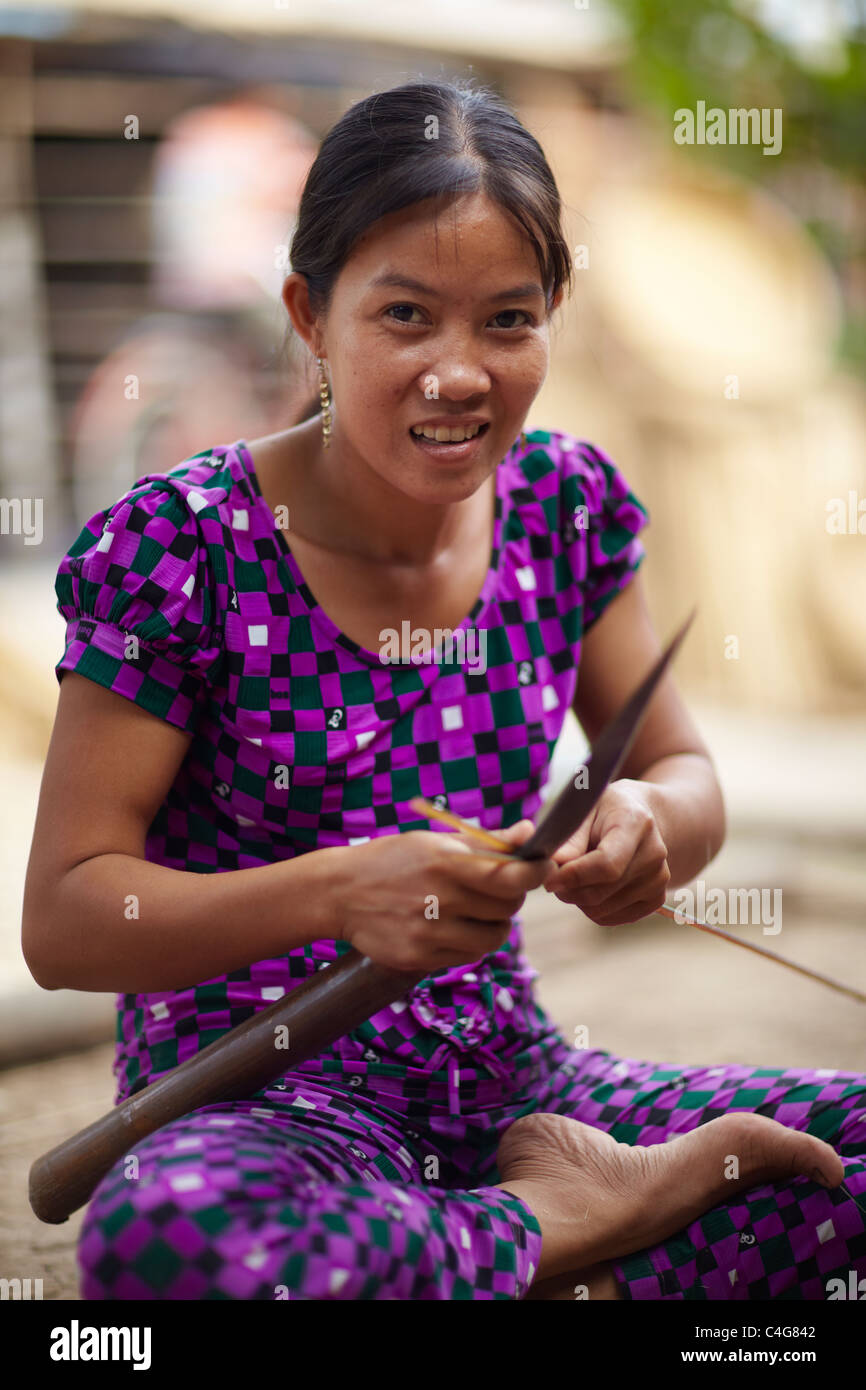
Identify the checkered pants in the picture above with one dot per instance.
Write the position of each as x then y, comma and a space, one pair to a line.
377, 1184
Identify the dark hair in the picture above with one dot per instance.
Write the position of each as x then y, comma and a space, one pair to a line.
388, 152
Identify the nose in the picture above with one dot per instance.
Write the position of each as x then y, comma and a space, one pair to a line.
458, 369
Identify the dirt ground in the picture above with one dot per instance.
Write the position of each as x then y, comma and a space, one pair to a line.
655, 990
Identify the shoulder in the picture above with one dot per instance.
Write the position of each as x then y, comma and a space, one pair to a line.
192, 510
561, 472
205, 484
142, 590
556, 454
160, 544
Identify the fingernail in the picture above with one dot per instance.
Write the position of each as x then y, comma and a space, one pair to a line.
819, 1177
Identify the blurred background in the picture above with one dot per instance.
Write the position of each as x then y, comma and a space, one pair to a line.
152, 157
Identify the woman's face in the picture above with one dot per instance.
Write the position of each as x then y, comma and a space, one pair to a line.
435, 318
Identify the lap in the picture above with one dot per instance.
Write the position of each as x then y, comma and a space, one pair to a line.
207, 1185
237, 1151
318, 1126
311, 1195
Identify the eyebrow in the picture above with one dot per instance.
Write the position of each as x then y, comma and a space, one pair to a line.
405, 282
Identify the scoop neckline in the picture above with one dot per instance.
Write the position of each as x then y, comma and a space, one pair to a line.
323, 619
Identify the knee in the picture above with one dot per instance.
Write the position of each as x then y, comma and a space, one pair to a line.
160, 1230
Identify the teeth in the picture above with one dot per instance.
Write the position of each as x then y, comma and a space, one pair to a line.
443, 435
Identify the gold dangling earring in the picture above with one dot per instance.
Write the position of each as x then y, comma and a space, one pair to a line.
325, 399
522, 440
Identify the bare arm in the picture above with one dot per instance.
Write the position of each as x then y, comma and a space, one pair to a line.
668, 754
108, 769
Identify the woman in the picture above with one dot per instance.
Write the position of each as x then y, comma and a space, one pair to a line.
241, 813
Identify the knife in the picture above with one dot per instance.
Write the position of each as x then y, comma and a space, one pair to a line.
564, 814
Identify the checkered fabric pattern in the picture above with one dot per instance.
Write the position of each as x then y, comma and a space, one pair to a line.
363, 1183
184, 597
369, 1171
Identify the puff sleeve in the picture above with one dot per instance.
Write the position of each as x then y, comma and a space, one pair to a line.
137, 595
602, 520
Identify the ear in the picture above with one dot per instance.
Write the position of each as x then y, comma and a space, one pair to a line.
295, 295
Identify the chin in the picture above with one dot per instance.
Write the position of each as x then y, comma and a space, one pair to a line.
453, 482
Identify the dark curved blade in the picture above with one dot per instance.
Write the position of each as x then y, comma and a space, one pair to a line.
565, 813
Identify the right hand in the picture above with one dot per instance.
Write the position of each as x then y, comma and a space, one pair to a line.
397, 883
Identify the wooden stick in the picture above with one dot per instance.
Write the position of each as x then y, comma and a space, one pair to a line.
486, 839
315, 1013
426, 808
325, 1007
676, 916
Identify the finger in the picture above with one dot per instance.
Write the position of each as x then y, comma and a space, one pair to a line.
480, 907
471, 935
576, 845
629, 913
516, 834
652, 883
644, 870
603, 866
500, 878
634, 913
510, 838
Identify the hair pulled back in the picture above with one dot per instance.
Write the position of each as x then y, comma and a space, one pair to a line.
425, 139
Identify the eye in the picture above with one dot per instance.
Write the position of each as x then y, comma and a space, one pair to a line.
503, 313
411, 308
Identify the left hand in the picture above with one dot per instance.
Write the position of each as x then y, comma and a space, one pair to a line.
615, 867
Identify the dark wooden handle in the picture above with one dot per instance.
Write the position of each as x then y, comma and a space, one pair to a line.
325, 1007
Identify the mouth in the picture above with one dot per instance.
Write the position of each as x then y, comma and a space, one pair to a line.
455, 443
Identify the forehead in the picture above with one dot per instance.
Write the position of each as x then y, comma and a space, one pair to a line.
471, 238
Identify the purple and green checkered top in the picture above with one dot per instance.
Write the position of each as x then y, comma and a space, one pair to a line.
184, 597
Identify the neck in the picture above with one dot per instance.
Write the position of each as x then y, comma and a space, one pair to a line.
362, 513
